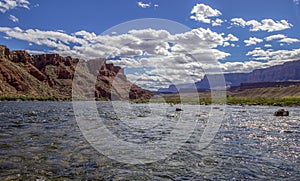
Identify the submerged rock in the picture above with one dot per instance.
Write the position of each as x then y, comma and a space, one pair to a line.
281, 112
286, 131
178, 109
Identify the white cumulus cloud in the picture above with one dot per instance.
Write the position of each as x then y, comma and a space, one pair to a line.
204, 13
282, 39
289, 40
274, 37
217, 22
13, 18
143, 5
231, 37
275, 56
226, 44
239, 22
268, 25
252, 41
268, 45
6, 5
271, 25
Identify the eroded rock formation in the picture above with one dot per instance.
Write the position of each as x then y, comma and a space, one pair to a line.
51, 76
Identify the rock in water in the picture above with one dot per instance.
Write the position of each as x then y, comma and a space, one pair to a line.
178, 109
281, 112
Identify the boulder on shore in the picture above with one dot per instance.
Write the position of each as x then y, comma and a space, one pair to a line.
281, 112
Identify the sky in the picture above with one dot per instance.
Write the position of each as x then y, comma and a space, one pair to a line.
158, 42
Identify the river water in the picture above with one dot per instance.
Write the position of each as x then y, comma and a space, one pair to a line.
43, 141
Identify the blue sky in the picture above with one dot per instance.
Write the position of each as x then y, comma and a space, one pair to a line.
240, 35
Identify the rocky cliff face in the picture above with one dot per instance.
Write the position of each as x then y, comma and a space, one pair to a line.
51, 76
284, 72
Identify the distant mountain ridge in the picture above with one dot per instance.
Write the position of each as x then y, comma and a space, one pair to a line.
285, 72
289, 71
51, 76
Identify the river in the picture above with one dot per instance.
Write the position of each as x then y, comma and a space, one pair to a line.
45, 141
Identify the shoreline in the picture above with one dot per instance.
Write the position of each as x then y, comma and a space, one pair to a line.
175, 99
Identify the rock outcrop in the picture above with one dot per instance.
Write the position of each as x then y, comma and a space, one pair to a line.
51, 76
4, 52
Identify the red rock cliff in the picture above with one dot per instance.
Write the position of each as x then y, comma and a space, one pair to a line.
51, 75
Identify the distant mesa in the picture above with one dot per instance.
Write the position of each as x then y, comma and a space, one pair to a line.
279, 74
170, 90
287, 74
51, 76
